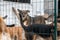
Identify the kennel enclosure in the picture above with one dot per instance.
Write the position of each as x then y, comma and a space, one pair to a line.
36, 8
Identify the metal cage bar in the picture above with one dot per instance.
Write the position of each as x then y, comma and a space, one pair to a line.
55, 21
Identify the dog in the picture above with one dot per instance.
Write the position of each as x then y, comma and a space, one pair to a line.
4, 35
14, 32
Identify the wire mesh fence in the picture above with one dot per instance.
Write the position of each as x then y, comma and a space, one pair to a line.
37, 17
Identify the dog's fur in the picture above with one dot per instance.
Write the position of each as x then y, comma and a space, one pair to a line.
15, 32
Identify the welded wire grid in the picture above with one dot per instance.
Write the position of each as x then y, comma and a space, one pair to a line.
36, 7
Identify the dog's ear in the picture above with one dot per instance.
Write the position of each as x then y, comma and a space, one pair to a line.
5, 17
20, 11
27, 11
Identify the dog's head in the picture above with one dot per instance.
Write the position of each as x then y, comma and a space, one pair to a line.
50, 19
25, 16
24, 13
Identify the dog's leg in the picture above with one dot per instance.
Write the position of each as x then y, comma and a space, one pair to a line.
39, 38
34, 37
15, 38
50, 38
20, 32
29, 36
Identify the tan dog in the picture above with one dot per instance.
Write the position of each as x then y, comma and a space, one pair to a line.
4, 35
15, 32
